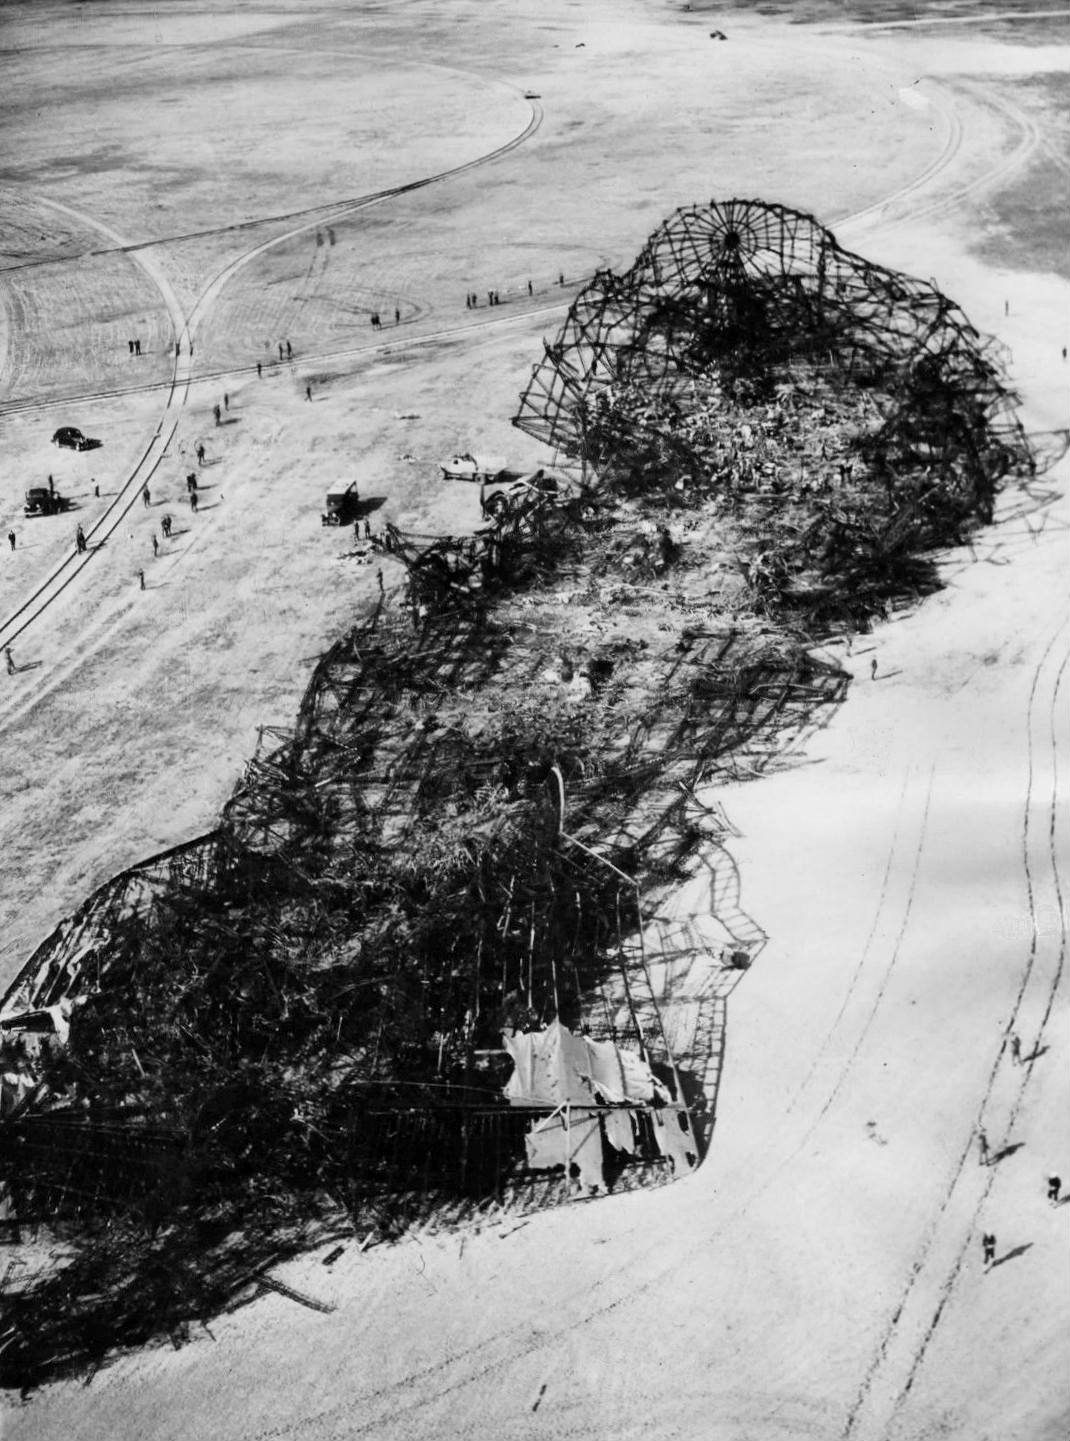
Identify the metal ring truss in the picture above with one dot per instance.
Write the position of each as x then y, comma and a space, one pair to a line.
742, 288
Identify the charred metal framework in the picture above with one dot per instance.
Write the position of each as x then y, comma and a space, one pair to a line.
490, 805
727, 301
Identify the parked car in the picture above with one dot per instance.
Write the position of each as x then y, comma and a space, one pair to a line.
468, 467
71, 438
42, 501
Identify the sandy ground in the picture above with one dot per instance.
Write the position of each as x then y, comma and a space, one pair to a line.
215, 177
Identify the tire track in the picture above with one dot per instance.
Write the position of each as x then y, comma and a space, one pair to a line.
72, 566
946, 1246
953, 138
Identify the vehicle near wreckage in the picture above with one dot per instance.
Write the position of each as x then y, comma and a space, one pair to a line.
342, 505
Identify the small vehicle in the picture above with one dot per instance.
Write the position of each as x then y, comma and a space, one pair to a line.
342, 505
71, 438
467, 467
42, 501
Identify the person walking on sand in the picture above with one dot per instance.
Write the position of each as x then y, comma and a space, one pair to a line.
982, 1146
81, 545
216, 412
200, 454
379, 578
873, 668
146, 497
367, 528
397, 316
165, 526
988, 1247
1055, 1186
193, 501
141, 579
191, 481
155, 546
259, 371
11, 539
96, 490
226, 402
1016, 1050
289, 351
308, 392
9, 659
137, 347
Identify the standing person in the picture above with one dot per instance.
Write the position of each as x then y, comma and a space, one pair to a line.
226, 402
200, 454
193, 501
259, 371
1016, 1050
216, 412
379, 578
530, 289
988, 1246
96, 490
468, 301
146, 498
873, 668
155, 546
10, 660
280, 349
397, 316
165, 526
141, 579
308, 392
80, 543
289, 351
982, 1145
51, 486
178, 347
367, 528
1055, 1186
137, 347
130, 344
561, 278
11, 539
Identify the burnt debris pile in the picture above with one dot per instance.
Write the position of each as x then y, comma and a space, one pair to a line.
845, 418
434, 961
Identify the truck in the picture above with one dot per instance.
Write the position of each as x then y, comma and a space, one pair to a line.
42, 500
342, 505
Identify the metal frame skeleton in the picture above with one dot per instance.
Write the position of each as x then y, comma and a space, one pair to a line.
299, 1017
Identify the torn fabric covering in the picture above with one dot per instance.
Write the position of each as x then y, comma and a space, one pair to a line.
572, 1140
555, 1068
619, 1129
674, 1143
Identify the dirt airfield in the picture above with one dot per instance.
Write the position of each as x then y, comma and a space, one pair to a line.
236, 179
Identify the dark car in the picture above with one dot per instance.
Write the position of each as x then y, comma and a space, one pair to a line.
73, 439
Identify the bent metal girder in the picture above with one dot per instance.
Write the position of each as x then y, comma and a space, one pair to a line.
742, 287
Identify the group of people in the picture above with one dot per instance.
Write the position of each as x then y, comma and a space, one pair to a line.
1054, 1183
377, 319
471, 299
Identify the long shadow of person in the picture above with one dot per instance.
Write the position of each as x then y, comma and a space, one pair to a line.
1013, 1254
